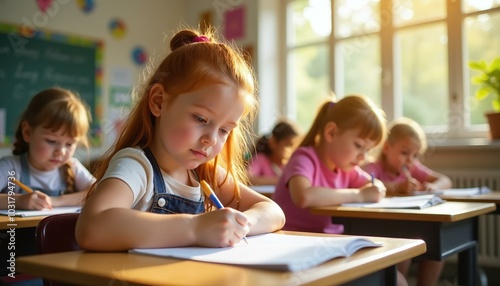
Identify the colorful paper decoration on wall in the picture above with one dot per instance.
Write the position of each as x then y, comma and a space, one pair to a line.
86, 6
234, 23
139, 55
43, 4
117, 28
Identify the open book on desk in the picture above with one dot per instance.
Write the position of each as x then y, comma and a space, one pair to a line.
44, 212
271, 251
407, 202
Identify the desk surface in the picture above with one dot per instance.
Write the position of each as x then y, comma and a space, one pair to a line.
92, 268
493, 197
446, 212
19, 222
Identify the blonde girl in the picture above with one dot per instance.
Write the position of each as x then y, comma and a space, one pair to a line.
54, 123
188, 125
399, 166
401, 171
324, 169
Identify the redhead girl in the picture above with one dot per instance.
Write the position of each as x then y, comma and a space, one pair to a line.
188, 125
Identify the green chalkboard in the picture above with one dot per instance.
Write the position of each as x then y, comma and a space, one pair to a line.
33, 60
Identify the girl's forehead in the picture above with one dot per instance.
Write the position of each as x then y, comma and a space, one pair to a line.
63, 131
409, 142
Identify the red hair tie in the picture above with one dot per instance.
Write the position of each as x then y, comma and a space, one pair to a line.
201, 39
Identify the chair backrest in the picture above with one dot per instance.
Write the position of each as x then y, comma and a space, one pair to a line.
56, 233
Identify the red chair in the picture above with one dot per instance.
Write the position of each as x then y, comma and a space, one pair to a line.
56, 233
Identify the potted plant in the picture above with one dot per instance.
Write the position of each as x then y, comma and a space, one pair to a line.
488, 81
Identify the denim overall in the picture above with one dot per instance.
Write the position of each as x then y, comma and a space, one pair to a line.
25, 179
164, 203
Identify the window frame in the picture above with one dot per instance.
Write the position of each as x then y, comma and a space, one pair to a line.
391, 101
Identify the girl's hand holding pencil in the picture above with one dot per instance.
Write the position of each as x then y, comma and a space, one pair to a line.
33, 200
237, 217
410, 185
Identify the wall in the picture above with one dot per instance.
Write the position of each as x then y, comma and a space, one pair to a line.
147, 24
262, 35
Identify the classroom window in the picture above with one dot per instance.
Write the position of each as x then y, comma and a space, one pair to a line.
410, 56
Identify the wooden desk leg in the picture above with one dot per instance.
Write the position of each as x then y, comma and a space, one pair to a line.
467, 266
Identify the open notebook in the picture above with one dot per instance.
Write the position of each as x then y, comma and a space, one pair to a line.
408, 202
44, 212
271, 251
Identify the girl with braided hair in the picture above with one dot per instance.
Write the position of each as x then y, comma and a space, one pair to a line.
54, 123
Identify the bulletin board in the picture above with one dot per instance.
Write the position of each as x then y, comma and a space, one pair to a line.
33, 60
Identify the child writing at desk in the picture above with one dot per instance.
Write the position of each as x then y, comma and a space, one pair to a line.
398, 165
188, 125
271, 154
55, 122
324, 170
399, 168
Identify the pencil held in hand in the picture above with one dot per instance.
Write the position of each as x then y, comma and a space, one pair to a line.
211, 195
406, 172
23, 186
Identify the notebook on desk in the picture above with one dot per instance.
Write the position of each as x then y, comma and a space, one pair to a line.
45, 212
271, 251
408, 202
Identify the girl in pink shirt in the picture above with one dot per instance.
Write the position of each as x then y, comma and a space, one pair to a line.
401, 171
399, 166
324, 170
271, 154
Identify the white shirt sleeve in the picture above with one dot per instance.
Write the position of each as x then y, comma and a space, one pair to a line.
131, 166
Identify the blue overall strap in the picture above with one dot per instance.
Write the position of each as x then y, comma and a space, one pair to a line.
25, 169
159, 184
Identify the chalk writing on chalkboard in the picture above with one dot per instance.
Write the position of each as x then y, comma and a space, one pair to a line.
45, 59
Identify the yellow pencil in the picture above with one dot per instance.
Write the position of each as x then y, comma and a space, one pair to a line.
23, 186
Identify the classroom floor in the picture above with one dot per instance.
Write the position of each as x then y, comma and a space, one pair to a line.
449, 274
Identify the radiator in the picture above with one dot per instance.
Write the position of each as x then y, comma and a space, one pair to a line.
489, 225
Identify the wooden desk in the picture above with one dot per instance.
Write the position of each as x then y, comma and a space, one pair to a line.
19, 222
447, 229
266, 190
493, 197
369, 266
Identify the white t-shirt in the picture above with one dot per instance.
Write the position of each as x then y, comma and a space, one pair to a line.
46, 180
133, 167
